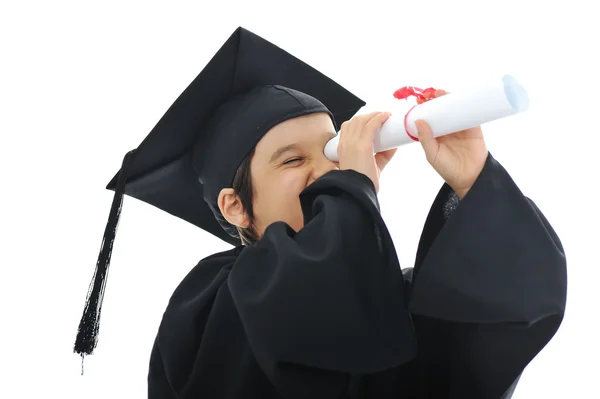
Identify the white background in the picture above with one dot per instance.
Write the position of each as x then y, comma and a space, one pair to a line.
82, 83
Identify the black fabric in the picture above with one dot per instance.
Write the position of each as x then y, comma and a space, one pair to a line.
505, 231
327, 313
248, 86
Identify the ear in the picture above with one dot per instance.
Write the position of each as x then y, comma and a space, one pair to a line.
231, 208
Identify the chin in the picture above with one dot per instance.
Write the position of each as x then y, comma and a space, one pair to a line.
297, 226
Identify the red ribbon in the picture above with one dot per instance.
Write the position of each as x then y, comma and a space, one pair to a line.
406, 127
408, 91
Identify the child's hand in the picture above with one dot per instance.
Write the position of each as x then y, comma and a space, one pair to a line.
355, 148
458, 157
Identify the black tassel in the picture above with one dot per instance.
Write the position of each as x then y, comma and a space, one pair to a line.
87, 334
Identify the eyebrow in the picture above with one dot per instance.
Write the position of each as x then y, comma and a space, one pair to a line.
282, 151
294, 146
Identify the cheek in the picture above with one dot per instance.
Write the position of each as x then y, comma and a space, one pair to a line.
294, 181
278, 200
290, 211
283, 193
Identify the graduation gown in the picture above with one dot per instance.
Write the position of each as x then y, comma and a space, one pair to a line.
328, 313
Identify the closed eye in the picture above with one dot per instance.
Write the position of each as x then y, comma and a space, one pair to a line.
292, 160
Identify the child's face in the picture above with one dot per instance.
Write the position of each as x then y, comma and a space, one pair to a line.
286, 160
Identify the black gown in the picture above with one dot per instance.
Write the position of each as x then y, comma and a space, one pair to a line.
328, 313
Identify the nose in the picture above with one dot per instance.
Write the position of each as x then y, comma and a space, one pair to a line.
323, 165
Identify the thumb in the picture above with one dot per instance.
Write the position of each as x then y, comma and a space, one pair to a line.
428, 142
384, 157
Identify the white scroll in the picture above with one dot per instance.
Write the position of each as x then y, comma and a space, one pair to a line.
447, 114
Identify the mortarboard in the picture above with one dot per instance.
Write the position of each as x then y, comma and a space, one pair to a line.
247, 88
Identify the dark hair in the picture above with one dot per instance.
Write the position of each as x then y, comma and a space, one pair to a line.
242, 187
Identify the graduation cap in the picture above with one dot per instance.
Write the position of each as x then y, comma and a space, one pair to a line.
247, 88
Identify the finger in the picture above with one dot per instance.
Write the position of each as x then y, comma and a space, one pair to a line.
439, 93
344, 127
384, 157
428, 142
356, 125
372, 117
364, 119
374, 124
358, 119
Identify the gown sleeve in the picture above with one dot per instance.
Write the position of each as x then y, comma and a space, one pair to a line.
488, 290
295, 314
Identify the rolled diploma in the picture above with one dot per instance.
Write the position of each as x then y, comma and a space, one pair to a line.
447, 114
